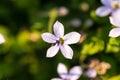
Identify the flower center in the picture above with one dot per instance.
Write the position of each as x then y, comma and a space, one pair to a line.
61, 40
115, 5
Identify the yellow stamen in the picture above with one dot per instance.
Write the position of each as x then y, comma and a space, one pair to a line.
61, 40
115, 5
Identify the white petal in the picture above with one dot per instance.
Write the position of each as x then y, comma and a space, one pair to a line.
112, 21
56, 79
48, 37
106, 2
2, 39
103, 11
115, 18
115, 32
91, 73
66, 51
58, 29
52, 51
62, 70
75, 73
72, 37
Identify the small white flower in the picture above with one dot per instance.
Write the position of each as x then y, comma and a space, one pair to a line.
73, 74
75, 22
2, 39
91, 73
61, 42
115, 20
109, 6
62, 11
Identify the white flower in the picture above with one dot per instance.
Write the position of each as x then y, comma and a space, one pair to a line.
73, 74
115, 20
2, 39
62, 11
75, 22
109, 6
91, 73
61, 42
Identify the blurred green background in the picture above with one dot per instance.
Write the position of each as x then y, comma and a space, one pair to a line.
23, 54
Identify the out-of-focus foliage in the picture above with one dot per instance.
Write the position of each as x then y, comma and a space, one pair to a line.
115, 77
23, 54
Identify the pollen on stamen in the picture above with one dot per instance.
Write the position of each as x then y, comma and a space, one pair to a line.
61, 40
115, 5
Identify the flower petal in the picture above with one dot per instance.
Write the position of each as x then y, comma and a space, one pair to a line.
62, 70
75, 73
66, 51
103, 11
115, 32
52, 51
106, 2
58, 29
91, 73
72, 37
56, 79
2, 39
48, 37
115, 18
112, 21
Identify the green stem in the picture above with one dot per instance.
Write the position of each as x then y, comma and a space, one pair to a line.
119, 44
52, 15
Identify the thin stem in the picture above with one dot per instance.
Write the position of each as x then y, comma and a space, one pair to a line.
119, 44
52, 15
